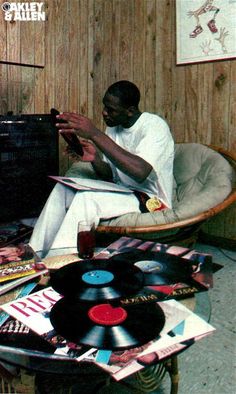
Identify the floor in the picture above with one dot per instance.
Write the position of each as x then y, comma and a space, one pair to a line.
208, 367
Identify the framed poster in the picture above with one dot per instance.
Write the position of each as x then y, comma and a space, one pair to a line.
205, 30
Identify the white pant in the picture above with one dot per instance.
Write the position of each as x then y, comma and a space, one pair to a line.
65, 209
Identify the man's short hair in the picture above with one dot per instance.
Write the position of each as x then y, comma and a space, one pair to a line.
127, 92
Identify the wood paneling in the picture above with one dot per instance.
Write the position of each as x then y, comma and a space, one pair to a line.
22, 42
88, 44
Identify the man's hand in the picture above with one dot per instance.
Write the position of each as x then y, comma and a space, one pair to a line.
76, 123
90, 152
132, 165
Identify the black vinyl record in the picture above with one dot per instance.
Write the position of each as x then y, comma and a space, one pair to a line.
159, 268
97, 280
105, 326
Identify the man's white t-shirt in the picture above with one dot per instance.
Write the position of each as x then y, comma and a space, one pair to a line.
149, 138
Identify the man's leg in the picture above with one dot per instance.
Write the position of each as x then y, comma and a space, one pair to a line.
89, 207
51, 217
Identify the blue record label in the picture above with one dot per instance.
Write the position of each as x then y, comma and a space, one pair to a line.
97, 277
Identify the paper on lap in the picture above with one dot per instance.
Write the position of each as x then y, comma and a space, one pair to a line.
90, 184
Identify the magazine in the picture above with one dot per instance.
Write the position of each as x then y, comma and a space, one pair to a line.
90, 184
33, 311
19, 264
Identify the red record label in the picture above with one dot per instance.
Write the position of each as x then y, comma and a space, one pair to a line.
107, 315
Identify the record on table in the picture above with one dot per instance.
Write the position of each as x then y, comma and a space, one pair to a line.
159, 268
97, 280
105, 326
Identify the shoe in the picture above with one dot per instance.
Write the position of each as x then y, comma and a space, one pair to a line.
212, 26
196, 31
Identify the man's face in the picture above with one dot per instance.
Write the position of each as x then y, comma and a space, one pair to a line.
113, 112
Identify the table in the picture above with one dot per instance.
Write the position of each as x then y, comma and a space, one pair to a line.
45, 365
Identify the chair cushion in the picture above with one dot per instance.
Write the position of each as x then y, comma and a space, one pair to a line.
202, 179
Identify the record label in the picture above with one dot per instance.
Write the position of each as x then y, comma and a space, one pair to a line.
107, 315
97, 277
150, 265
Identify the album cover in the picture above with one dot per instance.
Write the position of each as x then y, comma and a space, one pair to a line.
176, 335
90, 184
33, 311
19, 264
201, 265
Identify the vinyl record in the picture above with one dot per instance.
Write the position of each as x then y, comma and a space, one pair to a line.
159, 268
97, 280
107, 327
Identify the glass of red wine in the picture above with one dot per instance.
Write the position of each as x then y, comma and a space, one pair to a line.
85, 241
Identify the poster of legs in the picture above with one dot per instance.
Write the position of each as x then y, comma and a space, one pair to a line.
206, 30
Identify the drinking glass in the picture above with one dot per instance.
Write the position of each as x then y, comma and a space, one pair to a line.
85, 241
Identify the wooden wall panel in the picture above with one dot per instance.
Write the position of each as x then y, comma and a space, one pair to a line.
220, 103
50, 71
114, 39
88, 44
3, 37
13, 46
108, 46
150, 56
15, 50
204, 103
74, 56
232, 108
191, 104
98, 71
139, 53
126, 39
163, 59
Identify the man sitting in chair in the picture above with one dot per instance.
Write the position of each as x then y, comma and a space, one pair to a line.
137, 152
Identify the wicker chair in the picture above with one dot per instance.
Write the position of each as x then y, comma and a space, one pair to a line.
205, 184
